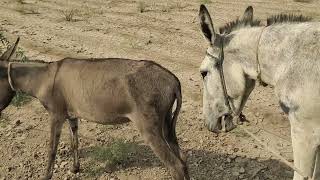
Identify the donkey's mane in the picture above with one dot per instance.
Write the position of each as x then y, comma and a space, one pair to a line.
237, 24
274, 19
283, 18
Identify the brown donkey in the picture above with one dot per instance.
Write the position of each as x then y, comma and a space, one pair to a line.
106, 91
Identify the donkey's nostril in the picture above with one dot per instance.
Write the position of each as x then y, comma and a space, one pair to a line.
204, 74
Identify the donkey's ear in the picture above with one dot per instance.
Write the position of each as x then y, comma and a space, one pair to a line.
248, 14
206, 24
8, 54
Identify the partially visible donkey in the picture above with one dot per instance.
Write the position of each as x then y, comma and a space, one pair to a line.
106, 91
284, 54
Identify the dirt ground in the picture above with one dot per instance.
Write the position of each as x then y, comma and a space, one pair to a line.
167, 32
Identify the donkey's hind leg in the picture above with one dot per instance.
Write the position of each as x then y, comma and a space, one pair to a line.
171, 137
56, 126
150, 128
73, 122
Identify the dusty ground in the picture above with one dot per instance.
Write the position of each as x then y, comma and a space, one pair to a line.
166, 32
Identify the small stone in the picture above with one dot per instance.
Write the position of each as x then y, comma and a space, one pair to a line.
185, 140
63, 164
17, 123
10, 169
236, 173
242, 170
228, 160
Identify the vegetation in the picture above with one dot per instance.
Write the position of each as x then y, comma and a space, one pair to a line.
20, 99
69, 14
117, 152
106, 158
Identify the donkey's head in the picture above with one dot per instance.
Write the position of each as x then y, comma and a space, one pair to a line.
225, 83
6, 93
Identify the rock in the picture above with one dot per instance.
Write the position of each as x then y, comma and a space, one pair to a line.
17, 123
242, 170
232, 157
228, 160
63, 164
9, 169
235, 173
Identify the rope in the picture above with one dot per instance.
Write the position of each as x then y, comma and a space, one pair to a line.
9, 76
274, 152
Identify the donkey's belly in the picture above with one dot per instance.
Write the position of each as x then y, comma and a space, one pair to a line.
104, 110
103, 118
110, 120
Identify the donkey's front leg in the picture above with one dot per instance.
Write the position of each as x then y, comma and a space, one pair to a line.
74, 143
56, 125
305, 143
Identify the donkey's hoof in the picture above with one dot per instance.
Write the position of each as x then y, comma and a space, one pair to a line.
75, 169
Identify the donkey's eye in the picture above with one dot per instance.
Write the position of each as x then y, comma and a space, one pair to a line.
204, 74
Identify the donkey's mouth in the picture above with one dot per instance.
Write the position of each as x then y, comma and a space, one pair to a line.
227, 123
223, 124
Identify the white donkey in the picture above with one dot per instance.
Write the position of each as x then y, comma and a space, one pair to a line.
284, 54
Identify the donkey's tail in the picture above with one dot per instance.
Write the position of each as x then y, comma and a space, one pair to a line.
172, 129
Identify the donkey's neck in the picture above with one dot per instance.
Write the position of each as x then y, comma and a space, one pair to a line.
281, 44
31, 78
242, 46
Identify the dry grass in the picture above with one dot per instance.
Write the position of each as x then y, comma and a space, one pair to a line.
69, 14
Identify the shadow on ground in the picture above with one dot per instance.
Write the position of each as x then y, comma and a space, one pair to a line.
202, 164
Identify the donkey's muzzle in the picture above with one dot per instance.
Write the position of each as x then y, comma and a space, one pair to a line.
222, 124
